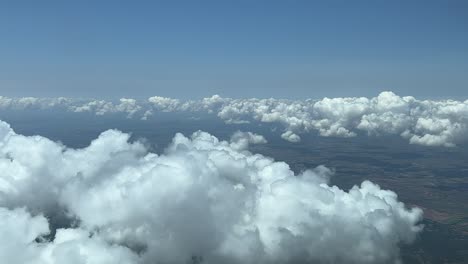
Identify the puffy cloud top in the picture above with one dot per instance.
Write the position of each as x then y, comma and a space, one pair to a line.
424, 122
201, 200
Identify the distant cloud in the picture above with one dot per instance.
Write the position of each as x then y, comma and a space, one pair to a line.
202, 198
290, 136
164, 104
424, 122
241, 140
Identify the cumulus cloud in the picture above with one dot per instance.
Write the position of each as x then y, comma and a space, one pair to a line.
241, 140
24, 242
431, 123
424, 122
164, 104
290, 136
200, 200
102, 107
33, 103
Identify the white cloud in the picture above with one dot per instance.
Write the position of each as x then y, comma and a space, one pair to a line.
425, 122
33, 103
74, 245
128, 105
201, 197
241, 140
290, 136
164, 104
101, 107
431, 123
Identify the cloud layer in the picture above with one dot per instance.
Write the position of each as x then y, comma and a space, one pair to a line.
424, 122
202, 199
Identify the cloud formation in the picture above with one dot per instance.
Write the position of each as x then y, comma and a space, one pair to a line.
23, 243
423, 122
201, 199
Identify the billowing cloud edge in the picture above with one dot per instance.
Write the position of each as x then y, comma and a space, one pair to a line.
201, 200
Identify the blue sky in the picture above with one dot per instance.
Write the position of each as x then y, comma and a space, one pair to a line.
192, 49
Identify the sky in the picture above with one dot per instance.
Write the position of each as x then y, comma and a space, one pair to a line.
240, 49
